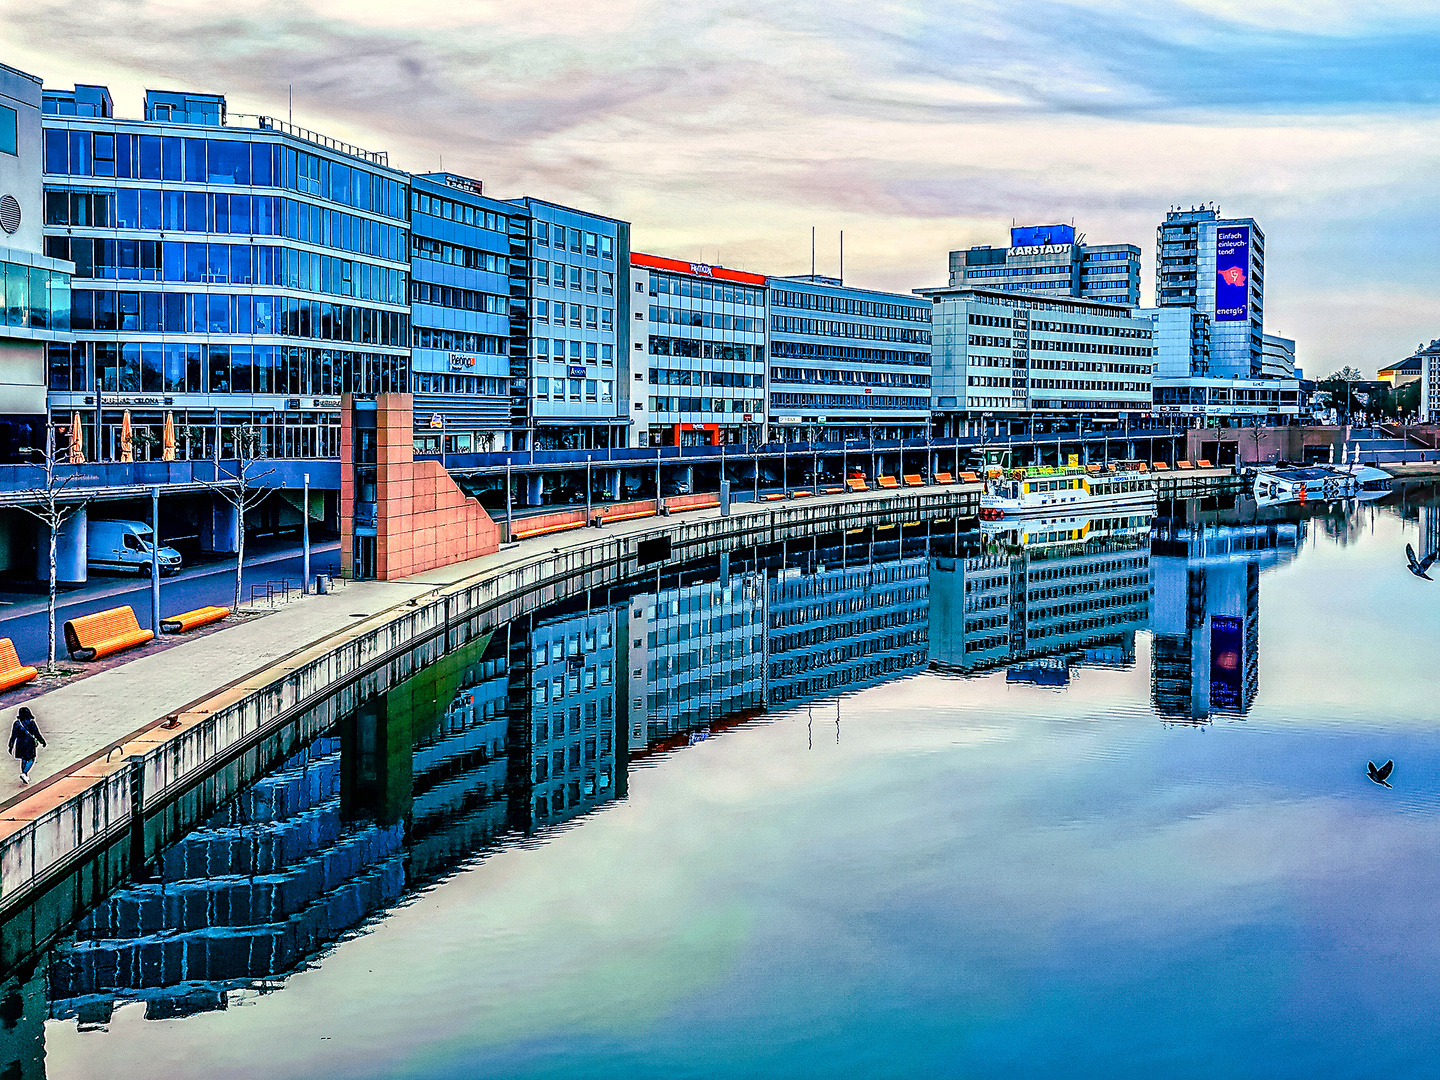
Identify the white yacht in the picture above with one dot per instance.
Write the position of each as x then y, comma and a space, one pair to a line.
1073, 491
1319, 483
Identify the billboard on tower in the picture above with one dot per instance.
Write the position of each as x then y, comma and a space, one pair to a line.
1232, 273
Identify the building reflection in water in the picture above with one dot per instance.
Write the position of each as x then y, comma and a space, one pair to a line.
536, 725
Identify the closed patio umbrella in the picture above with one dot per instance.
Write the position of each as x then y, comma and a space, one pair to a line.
127, 449
77, 440
167, 449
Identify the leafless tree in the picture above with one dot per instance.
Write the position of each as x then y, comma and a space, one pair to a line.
237, 487
54, 510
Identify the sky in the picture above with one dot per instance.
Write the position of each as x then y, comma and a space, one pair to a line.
725, 131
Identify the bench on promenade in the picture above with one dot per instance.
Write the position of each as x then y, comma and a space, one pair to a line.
944, 478
1183, 465
104, 633
526, 534
832, 491
914, 480
801, 494
969, 478
856, 484
12, 672
189, 620
887, 481
1160, 466
772, 498
1202, 463
629, 515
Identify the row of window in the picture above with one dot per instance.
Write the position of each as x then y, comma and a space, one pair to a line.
1086, 384
988, 320
461, 212
211, 212
602, 390
555, 274
425, 382
713, 320
1129, 405
835, 377
990, 342
804, 350
1018, 271
846, 305
725, 293
710, 350
425, 292
674, 377
595, 317
34, 298
847, 401
1091, 329
423, 247
786, 324
243, 313
706, 405
1046, 345
220, 161
228, 264
588, 243
592, 352
426, 337
194, 368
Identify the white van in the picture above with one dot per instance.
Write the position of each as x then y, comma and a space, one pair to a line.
125, 545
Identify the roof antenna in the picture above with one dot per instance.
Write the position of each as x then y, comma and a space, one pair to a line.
291, 120
812, 253
842, 256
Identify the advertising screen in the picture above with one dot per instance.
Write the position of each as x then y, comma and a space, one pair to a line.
1227, 645
1040, 235
1232, 273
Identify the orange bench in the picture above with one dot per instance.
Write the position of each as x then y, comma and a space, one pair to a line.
1205, 464
914, 480
1140, 466
1094, 468
12, 672
1160, 466
525, 534
105, 633
969, 478
189, 620
630, 516
857, 485
798, 494
832, 491
772, 498
1183, 465
887, 482
944, 478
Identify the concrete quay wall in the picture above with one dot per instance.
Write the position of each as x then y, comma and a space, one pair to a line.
69, 843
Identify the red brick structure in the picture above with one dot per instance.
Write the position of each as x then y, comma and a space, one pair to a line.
422, 519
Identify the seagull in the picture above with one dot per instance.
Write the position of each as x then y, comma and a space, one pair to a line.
1381, 775
1417, 567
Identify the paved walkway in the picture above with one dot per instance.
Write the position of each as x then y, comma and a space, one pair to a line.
84, 717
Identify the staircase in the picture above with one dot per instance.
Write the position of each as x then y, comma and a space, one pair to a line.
1393, 444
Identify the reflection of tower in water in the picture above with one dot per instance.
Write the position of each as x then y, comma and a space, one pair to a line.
1429, 530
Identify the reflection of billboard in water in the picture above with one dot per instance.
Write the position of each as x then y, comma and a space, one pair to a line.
1227, 644
1232, 274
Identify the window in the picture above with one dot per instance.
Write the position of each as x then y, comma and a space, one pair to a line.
607, 247
8, 129
574, 239
591, 281
575, 277
591, 243
542, 232
559, 279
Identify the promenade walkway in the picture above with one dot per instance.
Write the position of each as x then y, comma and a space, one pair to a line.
82, 719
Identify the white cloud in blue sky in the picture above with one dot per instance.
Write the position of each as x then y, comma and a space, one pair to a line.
725, 130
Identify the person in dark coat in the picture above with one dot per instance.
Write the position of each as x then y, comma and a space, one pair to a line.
24, 734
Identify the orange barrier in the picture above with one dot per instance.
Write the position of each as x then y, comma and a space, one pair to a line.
104, 633
189, 620
12, 672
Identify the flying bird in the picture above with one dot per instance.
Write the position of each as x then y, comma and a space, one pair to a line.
1418, 567
1381, 775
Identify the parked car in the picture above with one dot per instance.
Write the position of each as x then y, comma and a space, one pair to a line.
125, 546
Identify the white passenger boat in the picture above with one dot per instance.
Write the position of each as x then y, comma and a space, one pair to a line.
1075, 491
1281, 484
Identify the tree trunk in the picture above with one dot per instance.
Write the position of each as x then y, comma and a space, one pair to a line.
240, 545
50, 608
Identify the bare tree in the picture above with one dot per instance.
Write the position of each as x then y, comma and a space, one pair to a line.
237, 487
54, 510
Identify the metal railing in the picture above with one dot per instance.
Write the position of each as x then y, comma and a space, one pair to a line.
375, 157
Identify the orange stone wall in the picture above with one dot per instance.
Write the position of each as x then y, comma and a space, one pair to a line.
423, 520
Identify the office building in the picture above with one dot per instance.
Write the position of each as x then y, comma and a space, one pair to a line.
459, 314
34, 289
697, 354
1004, 356
1216, 266
1278, 359
1405, 371
846, 363
1184, 384
1051, 260
570, 300
231, 278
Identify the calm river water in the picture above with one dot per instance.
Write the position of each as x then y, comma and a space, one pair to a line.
877, 805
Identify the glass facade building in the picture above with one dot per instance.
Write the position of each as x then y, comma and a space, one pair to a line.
232, 277
847, 363
569, 303
1216, 267
1051, 259
697, 354
459, 314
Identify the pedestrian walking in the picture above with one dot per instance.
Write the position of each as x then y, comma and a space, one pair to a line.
24, 734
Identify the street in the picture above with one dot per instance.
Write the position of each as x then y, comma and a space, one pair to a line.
24, 620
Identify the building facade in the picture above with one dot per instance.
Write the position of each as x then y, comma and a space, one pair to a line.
1013, 355
1216, 266
697, 354
846, 363
570, 305
459, 315
1278, 361
34, 289
1051, 260
235, 279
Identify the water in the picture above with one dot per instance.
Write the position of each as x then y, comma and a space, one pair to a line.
1143, 848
